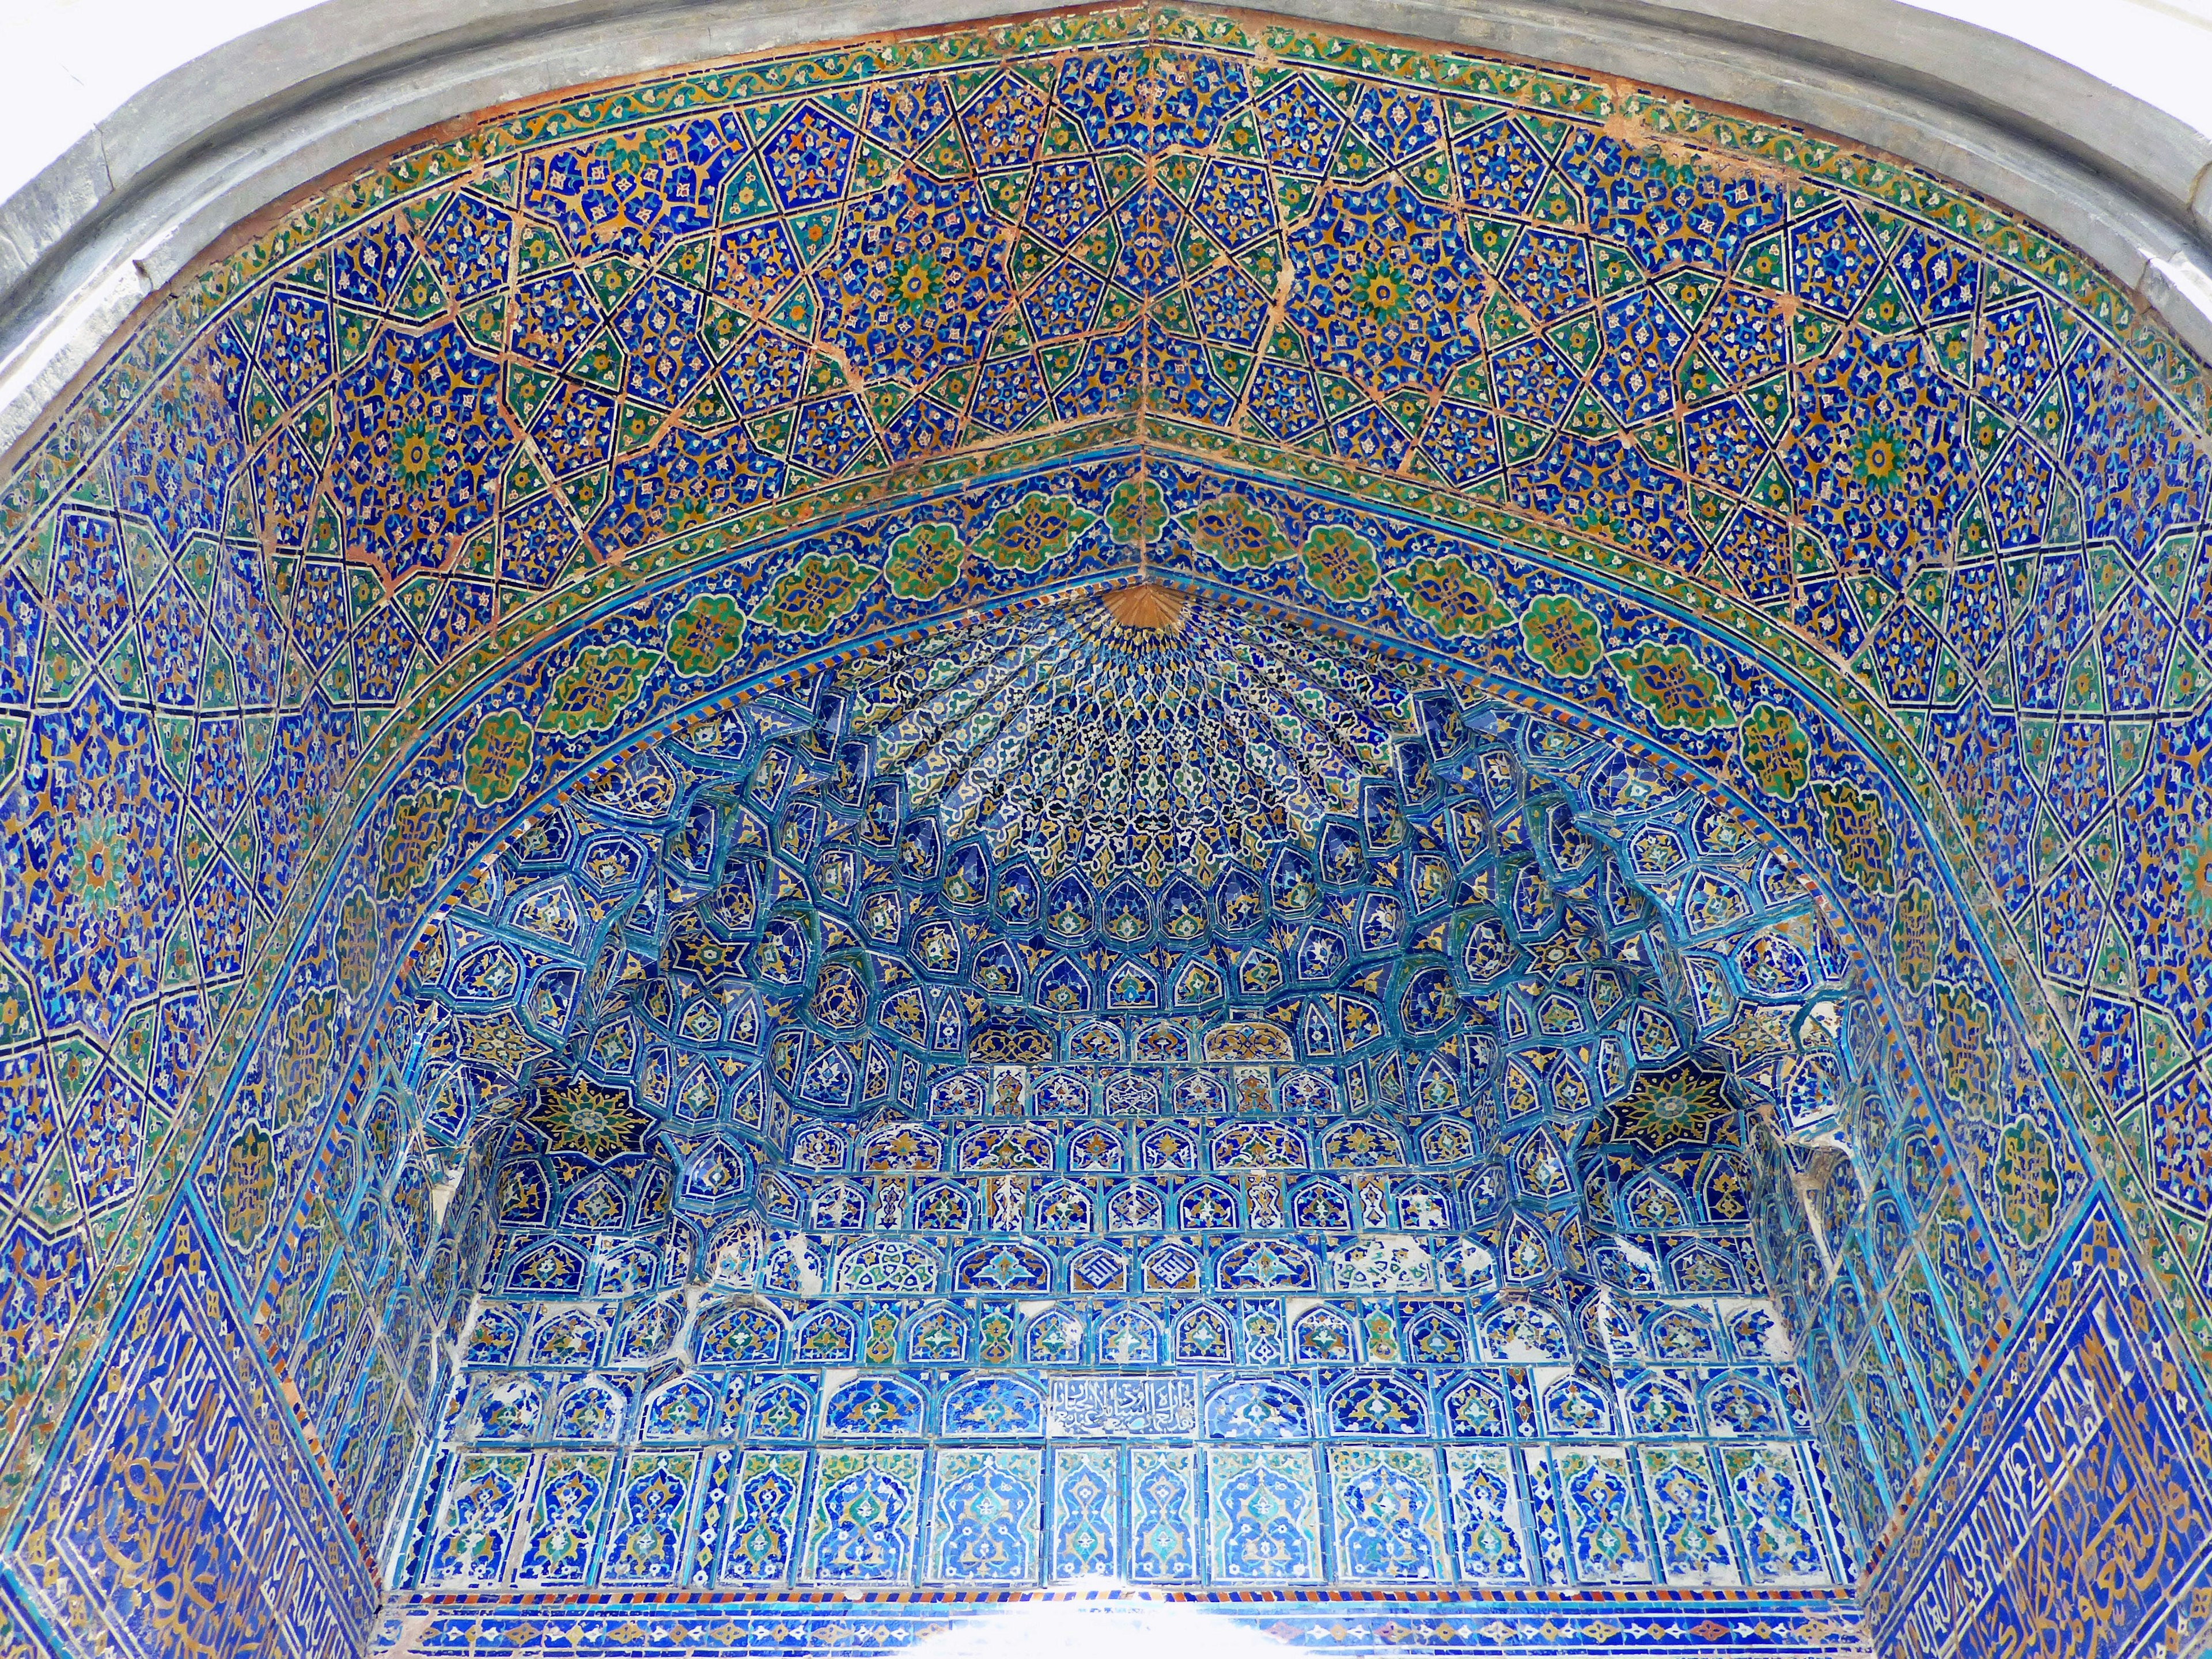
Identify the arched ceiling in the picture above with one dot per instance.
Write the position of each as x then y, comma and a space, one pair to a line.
947, 997
506, 476
130, 200
817, 909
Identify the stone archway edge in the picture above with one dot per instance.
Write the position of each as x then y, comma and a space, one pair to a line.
133, 202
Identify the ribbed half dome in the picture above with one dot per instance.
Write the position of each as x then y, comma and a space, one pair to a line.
1195, 732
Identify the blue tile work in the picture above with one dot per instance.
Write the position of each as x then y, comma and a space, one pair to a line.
619, 1625
185, 1509
2100, 1559
1849, 499
1294, 1165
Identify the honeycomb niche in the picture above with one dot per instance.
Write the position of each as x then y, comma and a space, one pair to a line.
1128, 1092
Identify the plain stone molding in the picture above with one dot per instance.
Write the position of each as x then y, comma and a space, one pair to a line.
223, 138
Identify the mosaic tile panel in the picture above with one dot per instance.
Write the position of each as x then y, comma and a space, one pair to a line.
188, 1512
1871, 512
1430, 1268
2105, 1560
1321, 1620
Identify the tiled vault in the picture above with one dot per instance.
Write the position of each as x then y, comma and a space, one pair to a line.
1068, 1074
1133, 798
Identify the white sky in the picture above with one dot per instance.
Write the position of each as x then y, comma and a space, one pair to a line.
72, 62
